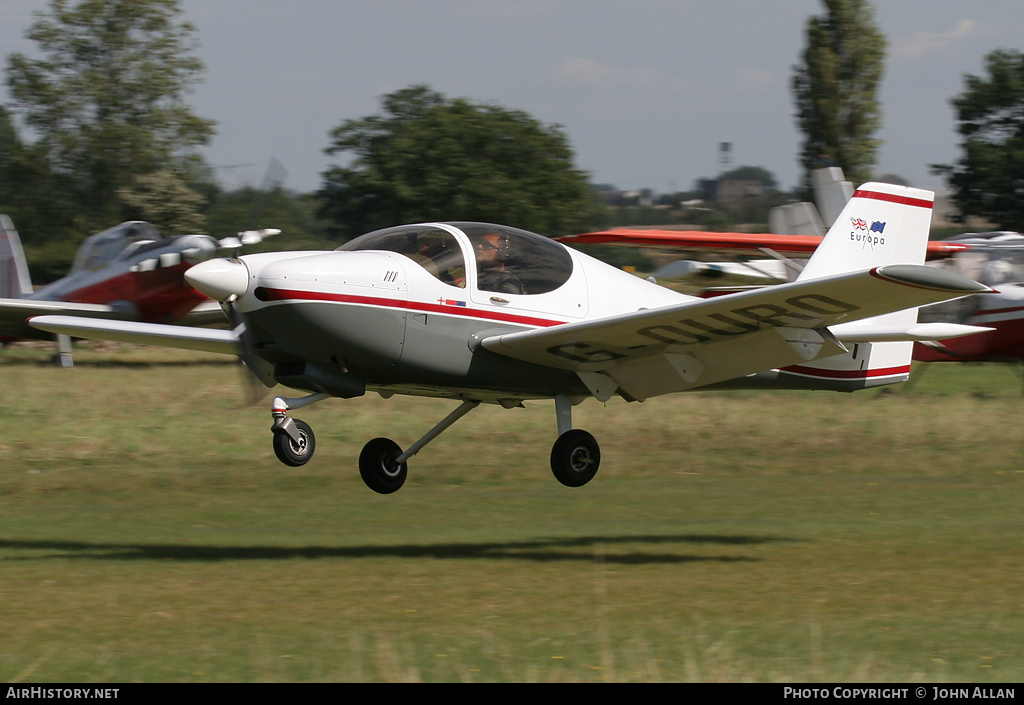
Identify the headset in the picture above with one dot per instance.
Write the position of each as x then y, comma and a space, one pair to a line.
504, 249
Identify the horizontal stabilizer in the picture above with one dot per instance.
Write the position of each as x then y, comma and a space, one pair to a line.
918, 333
182, 337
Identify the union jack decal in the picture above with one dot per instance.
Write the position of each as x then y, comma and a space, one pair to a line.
859, 223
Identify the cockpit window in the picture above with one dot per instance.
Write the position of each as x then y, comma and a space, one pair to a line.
104, 247
993, 265
514, 261
507, 260
436, 250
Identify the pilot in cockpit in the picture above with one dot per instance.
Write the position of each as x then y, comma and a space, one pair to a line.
492, 251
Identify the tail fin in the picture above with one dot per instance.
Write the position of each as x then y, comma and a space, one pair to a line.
15, 282
882, 224
831, 193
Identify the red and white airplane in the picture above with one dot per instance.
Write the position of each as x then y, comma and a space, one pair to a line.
995, 259
481, 313
128, 272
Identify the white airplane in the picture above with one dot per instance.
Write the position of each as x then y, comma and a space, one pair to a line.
482, 313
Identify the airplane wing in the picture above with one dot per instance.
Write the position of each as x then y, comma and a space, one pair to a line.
704, 341
182, 337
732, 243
14, 315
728, 243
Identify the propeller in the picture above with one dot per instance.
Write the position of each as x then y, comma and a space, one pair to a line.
247, 237
259, 375
225, 280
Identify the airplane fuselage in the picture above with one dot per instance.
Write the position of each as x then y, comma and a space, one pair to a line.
1003, 312
157, 295
347, 321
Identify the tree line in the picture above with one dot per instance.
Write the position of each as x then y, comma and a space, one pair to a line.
98, 130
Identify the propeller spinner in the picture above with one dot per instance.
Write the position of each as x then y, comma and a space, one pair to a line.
220, 279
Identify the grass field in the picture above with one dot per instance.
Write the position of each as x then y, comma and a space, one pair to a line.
147, 533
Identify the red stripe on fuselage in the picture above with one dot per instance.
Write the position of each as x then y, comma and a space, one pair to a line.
460, 311
847, 374
902, 200
996, 311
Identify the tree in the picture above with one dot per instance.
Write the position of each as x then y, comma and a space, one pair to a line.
836, 88
752, 173
11, 150
988, 180
164, 200
427, 158
35, 198
107, 103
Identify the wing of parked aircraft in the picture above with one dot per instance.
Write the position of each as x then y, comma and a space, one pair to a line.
14, 314
755, 244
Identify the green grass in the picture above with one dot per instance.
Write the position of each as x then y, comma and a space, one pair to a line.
147, 533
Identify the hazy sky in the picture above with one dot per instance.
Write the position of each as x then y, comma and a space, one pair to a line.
645, 90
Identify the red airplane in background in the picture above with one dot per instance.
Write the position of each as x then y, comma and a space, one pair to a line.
128, 272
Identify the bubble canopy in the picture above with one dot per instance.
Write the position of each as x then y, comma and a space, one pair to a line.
540, 264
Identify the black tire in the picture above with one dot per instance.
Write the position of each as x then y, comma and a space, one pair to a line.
378, 468
295, 454
575, 458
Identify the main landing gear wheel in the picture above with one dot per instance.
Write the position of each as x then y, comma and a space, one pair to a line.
378, 468
575, 458
295, 452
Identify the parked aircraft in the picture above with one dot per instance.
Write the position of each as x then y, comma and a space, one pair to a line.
480, 313
997, 260
128, 272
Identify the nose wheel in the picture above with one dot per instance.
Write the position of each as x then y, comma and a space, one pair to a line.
294, 442
298, 449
